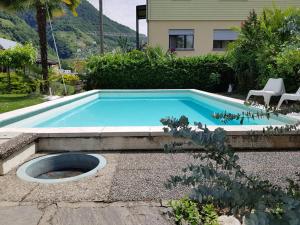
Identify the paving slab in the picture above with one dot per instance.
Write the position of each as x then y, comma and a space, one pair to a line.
13, 189
111, 215
20, 215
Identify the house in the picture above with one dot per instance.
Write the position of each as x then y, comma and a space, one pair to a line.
6, 44
194, 27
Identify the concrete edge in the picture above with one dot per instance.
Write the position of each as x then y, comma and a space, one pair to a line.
17, 158
16, 144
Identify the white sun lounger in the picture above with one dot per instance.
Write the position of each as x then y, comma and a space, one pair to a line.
274, 87
292, 97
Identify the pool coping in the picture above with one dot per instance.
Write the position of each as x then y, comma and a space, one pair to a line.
9, 117
19, 114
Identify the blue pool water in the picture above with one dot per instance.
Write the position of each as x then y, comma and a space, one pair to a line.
127, 109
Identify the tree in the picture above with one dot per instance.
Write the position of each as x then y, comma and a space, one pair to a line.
17, 57
242, 53
268, 46
101, 27
5, 61
41, 7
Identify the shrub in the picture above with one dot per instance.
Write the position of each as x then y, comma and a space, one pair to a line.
268, 46
154, 69
56, 83
59, 89
209, 215
218, 178
186, 211
70, 79
19, 83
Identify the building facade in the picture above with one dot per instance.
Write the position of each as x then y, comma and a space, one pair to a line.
195, 27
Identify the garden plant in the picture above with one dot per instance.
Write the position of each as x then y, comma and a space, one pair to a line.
218, 178
153, 68
268, 46
18, 58
42, 8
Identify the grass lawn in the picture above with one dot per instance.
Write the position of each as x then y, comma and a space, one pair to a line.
9, 102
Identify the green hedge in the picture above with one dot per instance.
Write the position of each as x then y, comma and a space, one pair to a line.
20, 84
144, 70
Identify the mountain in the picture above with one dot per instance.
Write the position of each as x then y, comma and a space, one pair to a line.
75, 36
14, 28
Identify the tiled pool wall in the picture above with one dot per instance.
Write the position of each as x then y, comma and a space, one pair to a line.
140, 140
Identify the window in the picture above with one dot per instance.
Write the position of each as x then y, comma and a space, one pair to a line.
181, 39
222, 38
221, 45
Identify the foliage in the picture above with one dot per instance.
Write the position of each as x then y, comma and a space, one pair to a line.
14, 28
123, 44
218, 178
268, 46
43, 9
185, 211
79, 66
209, 215
267, 113
70, 79
57, 86
20, 84
154, 68
76, 36
294, 187
59, 89
19, 56
55, 6
242, 53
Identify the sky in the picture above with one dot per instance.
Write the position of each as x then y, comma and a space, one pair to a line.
122, 11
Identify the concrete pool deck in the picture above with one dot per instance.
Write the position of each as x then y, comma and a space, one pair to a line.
129, 190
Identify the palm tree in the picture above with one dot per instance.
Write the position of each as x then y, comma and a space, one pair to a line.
41, 7
101, 26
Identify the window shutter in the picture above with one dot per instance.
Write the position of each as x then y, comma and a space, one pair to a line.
225, 35
181, 32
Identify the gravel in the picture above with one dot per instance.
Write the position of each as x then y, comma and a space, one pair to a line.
141, 176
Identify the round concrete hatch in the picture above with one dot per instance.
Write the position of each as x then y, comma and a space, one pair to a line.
61, 167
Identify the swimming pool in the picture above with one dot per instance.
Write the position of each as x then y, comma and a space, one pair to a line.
117, 108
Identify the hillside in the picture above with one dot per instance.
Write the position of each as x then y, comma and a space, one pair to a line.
76, 36
14, 28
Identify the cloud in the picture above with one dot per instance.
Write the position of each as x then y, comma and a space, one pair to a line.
122, 11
